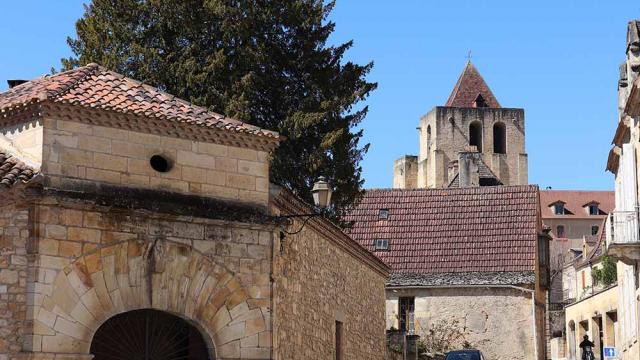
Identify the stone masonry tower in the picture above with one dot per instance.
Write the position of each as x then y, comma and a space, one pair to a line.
471, 141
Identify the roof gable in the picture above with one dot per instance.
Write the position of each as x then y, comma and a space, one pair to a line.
472, 91
481, 229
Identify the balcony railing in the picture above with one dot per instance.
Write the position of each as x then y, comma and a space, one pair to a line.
622, 228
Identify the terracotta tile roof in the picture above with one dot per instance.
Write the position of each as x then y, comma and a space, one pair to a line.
14, 171
481, 229
469, 86
93, 86
575, 202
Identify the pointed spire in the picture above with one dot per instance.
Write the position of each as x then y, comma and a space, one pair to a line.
471, 90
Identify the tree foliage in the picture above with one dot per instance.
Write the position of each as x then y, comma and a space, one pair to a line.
607, 274
264, 62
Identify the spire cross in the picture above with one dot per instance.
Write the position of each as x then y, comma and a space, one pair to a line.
469, 56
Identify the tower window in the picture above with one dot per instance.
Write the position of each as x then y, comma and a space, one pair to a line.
475, 135
428, 137
560, 231
499, 138
480, 102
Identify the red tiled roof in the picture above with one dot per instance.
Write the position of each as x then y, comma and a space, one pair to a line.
575, 202
14, 171
93, 86
481, 229
469, 86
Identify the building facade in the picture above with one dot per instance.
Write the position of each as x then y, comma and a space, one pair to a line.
622, 230
131, 218
468, 264
472, 121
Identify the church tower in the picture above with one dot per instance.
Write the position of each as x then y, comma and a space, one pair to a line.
471, 141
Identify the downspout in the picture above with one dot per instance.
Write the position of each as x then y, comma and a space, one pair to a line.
530, 291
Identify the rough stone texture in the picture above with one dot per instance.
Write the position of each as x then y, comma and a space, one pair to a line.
90, 152
450, 135
14, 235
470, 278
94, 262
484, 315
318, 283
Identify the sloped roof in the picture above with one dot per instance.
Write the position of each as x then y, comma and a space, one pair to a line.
471, 84
575, 202
93, 86
481, 229
13, 171
484, 173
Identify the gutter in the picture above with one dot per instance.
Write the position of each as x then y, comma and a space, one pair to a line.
520, 288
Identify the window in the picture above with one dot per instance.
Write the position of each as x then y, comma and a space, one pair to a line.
583, 280
480, 102
428, 137
560, 231
499, 138
405, 314
160, 163
558, 208
594, 210
381, 244
383, 214
475, 135
595, 229
339, 341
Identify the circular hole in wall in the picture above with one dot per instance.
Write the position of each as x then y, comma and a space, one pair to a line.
160, 163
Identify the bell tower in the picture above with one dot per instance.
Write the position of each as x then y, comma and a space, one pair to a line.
471, 141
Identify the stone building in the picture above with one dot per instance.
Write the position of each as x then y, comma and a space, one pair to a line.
576, 222
594, 309
472, 133
131, 218
470, 260
622, 229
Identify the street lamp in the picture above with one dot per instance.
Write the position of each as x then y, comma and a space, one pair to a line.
321, 192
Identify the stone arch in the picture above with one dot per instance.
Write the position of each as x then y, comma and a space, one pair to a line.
499, 138
475, 134
133, 275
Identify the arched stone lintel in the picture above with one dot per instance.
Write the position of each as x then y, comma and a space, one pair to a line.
126, 276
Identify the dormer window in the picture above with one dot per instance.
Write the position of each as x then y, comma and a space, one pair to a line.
381, 244
558, 208
383, 214
594, 210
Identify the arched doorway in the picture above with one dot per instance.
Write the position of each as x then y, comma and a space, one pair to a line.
475, 135
148, 335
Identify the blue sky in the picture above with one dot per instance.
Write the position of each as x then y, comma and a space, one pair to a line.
556, 59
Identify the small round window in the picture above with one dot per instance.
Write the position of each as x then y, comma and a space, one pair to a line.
160, 163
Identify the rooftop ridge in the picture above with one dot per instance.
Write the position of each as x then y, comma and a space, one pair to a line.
469, 87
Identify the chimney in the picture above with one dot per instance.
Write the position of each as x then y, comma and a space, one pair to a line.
14, 83
468, 169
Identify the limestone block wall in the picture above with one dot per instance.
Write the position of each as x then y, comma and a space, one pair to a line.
94, 262
14, 234
497, 321
317, 284
26, 137
74, 150
450, 135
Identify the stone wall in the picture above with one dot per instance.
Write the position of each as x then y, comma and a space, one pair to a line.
450, 135
94, 262
497, 321
14, 234
89, 152
319, 282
